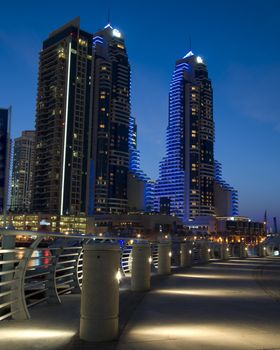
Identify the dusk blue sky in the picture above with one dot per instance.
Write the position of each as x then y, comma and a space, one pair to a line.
240, 42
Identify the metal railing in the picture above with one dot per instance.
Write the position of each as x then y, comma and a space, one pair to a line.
48, 265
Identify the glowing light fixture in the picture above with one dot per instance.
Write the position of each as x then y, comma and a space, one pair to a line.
199, 59
118, 276
116, 33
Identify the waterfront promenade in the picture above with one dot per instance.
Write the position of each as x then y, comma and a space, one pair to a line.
232, 305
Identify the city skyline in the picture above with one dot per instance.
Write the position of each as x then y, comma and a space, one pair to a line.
239, 169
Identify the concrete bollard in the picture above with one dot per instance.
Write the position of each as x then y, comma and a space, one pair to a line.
211, 252
164, 258
221, 251
242, 251
224, 251
141, 267
100, 292
261, 250
186, 255
204, 253
232, 250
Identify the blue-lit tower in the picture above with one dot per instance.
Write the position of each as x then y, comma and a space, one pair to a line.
147, 190
186, 175
225, 196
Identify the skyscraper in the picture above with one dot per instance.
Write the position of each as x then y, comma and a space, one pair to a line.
225, 196
22, 176
139, 184
186, 177
5, 143
109, 158
63, 121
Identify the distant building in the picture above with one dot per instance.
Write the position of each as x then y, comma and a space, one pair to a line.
109, 154
142, 225
5, 145
141, 189
63, 122
46, 222
225, 196
149, 225
238, 228
186, 174
22, 175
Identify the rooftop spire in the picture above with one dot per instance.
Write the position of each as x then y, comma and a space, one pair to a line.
108, 25
109, 20
190, 53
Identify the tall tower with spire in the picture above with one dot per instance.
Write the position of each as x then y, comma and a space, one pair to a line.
186, 176
109, 153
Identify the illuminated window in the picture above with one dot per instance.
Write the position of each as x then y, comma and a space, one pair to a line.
82, 42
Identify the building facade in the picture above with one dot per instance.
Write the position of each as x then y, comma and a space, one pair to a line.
186, 174
22, 176
5, 145
109, 153
225, 196
63, 122
140, 187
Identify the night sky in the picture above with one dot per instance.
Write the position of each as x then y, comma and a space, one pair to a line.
239, 41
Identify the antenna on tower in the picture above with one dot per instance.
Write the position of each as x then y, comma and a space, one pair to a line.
109, 19
190, 42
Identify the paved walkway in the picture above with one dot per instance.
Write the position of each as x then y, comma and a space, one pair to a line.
230, 305
222, 306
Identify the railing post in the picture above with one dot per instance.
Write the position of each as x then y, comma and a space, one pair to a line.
164, 258
52, 294
100, 292
186, 255
76, 282
19, 307
8, 242
141, 267
77, 278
